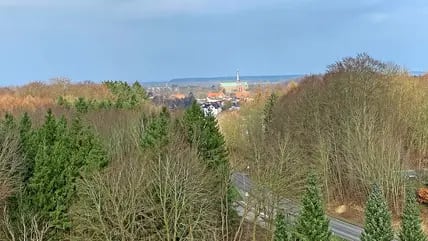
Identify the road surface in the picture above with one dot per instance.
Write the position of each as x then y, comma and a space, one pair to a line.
339, 228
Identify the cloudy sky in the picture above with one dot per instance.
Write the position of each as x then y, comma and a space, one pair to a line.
155, 40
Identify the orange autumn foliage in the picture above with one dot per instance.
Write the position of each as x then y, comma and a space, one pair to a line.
40, 95
423, 195
11, 103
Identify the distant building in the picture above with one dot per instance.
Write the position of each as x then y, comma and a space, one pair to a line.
215, 95
213, 108
232, 87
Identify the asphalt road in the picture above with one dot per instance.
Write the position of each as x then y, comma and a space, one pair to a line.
339, 228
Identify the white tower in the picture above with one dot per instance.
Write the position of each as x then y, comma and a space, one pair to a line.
238, 82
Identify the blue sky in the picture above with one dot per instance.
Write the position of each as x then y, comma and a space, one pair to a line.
155, 40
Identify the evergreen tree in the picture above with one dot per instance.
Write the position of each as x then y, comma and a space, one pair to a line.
268, 112
49, 174
133, 101
139, 91
63, 155
378, 226
25, 129
155, 134
119, 103
203, 132
9, 122
194, 122
312, 223
212, 147
61, 101
27, 139
282, 229
81, 105
87, 151
411, 229
47, 133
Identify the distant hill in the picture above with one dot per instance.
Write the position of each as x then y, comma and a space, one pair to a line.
250, 79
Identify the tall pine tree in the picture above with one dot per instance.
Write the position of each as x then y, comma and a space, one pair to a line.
49, 174
268, 113
9, 122
312, 223
212, 146
64, 154
411, 229
81, 105
87, 151
194, 121
203, 132
155, 132
378, 225
28, 143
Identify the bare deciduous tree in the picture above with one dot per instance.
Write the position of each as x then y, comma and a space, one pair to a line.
167, 198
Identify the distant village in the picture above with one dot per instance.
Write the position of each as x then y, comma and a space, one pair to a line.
225, 96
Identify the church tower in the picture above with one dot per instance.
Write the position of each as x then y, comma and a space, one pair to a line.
238, 82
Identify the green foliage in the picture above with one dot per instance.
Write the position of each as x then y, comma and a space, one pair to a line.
87, 151
194, 121
377, 226
61, 101
81, 105
268, 112
282, 229
155, 134
49, 174
126, 96
212, 145
204, 134
9, 122
28, 143
203, 131
63, 154
312, 223
138, 91
411, 229
47, 134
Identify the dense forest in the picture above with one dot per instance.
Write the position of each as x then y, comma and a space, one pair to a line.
101, 162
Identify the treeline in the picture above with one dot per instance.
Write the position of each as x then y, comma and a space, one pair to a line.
82, 96
124, 96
